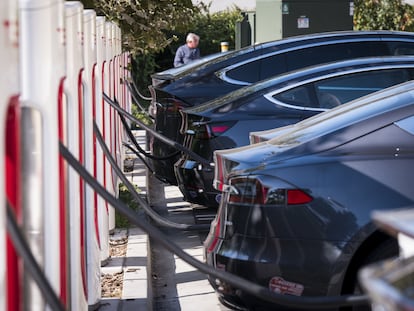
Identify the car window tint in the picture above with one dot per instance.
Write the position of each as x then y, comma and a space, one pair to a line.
248, 72
332, 52
260, 69
398, 48
335, 91
298, 96
272, 66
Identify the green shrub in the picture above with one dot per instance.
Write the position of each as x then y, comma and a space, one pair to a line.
126, 197
383, 15
212, 28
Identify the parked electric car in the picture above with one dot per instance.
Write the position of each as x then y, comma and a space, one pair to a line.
296, 212
173, 91
168, 76
226, 122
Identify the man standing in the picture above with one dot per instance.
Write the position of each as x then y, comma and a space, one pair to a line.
187, 52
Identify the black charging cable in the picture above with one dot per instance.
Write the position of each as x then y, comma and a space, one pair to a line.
134, 141
157, 135
30, 263
134, 89
155, 216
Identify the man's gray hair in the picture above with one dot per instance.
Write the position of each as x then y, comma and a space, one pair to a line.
192, 37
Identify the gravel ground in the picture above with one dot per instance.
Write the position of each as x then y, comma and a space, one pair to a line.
112, 283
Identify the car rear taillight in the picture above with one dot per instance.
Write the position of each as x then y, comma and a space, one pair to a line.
296, 196
219, 129
249, 190
208, 130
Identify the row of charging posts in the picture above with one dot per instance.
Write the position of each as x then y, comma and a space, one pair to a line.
56, 61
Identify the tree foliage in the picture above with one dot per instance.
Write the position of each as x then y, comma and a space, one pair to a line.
146, 23
152, 30
383, 15
213, 28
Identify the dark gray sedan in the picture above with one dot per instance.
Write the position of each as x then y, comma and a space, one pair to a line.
225, 123
296, 211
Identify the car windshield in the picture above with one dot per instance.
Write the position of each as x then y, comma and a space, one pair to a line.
345, 115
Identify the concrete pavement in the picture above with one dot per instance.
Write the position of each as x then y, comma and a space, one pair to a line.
154, 278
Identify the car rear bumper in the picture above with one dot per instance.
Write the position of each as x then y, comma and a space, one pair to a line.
282, 266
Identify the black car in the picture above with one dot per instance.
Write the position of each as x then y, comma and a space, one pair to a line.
226, 122
296, 210
168, 76
182, 88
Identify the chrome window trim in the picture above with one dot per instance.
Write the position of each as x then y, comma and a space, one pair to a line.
279, 103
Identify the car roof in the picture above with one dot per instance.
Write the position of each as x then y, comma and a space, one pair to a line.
217, 59
301, 76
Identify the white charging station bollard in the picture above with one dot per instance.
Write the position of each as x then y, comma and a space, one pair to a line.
41, 65
108, 118
91, 198
103, 212
75, 97
117, 141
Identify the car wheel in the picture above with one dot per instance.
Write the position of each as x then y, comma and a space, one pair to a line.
387, 249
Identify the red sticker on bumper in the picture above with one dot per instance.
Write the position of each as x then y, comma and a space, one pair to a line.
281, 286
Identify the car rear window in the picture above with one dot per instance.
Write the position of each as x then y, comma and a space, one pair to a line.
335, 91
357, 85
332, 52
401, 48
258, 69
247, 73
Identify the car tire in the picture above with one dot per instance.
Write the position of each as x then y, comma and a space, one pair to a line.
387, 249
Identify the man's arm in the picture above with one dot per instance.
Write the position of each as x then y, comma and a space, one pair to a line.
178, 59
197, 54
